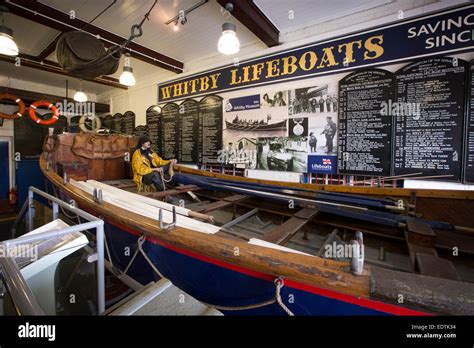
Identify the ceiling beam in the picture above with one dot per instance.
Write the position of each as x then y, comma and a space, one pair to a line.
53, 18
53, 67
247, 13
45, 53
29, 97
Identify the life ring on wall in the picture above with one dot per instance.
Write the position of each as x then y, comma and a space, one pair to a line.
50, 106
95, 126
21, 106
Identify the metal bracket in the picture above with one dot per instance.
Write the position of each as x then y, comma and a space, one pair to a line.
92, 258
97, 196
164, 225
357, 260
401, 204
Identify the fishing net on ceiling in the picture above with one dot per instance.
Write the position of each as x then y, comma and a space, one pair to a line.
84, 56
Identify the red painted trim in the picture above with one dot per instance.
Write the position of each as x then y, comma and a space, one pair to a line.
363, 302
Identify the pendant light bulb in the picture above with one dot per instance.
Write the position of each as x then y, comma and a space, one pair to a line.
8, 46
127, 78
228, 42
80, 96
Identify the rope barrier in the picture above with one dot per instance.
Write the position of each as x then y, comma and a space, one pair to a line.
279, 284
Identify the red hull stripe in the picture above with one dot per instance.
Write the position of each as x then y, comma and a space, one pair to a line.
363, 302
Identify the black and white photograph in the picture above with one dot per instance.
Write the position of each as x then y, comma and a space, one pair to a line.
313, 100
319, 105
239, 151
283, 154
250, 122
274, 99
298, 127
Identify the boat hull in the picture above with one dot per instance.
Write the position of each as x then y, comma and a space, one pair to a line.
226, 285
218, 281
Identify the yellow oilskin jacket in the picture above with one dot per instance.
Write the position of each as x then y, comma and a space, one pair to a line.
141, 166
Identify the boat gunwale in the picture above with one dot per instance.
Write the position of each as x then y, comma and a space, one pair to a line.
311, 270
375, 191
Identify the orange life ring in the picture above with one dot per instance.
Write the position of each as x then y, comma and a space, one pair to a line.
21, 106
38, 120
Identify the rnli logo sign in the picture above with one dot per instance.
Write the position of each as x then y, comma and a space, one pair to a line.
322, 164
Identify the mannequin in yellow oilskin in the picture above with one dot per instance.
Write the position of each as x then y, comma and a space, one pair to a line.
148, 167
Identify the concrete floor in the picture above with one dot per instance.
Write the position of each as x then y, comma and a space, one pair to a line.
176, 302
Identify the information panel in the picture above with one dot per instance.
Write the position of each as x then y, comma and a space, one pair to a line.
140, 131
153, 114
189, 131
469, 157
210, 128
365, 123
429, 118
117, 123
169, 131
107, 122
128, 123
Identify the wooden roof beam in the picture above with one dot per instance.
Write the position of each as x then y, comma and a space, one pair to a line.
255, 20
48, 49
53, 67
53, 18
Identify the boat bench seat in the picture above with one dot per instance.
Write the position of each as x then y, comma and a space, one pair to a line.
424, 258
283, 233
174, 191
225, 202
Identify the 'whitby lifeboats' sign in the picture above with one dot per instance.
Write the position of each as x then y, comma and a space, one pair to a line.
444, 32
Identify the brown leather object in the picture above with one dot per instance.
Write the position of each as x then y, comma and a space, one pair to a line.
50, 144
100, 146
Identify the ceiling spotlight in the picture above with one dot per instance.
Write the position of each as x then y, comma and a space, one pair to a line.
127, 77
7, 44
228, 42
181, 17
80, 96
